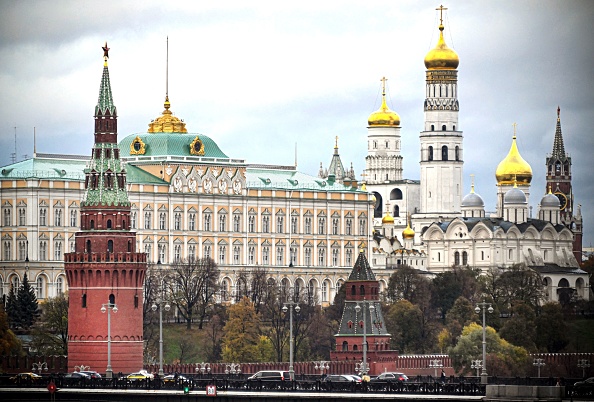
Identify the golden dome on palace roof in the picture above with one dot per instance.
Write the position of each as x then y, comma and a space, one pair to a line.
513, 168
167, 122
441, 57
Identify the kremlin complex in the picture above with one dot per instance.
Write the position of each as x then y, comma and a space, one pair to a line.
168, 194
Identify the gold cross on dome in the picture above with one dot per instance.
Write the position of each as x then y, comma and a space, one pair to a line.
383, 80
515, 125
441, 8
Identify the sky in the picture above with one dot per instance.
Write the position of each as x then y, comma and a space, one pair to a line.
264, 78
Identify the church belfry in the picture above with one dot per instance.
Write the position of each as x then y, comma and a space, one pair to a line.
558, 165
441, 140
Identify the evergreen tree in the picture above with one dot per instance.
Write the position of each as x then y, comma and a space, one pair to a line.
28, 309
12, 309
9, 343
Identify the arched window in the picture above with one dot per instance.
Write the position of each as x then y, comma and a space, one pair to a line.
433, 127
84, 300
457, 153
92, 224
443, 128
457, 258
430, 153
112, 298
444, 153
110, 246
464, 258
396, 194
345, 346
362, 290
88, 248
109, 223
396, 211
353, 290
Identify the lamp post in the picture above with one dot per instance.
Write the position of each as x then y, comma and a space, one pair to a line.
82, 367
108, 307
435, 364
364, 366
290, 306
167, 307
539, 363
203, 368
477, 364
484, 307
39, 367
583, 364
232, 368
321, 365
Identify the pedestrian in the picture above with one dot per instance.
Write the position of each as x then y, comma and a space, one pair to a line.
443, 376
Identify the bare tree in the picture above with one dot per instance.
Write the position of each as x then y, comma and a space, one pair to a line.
193, 285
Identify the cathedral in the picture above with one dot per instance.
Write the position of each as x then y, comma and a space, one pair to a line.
189, 199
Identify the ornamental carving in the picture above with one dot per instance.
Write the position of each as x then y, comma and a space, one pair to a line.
137, 147
197, 147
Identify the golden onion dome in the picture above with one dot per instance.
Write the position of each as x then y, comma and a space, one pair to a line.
167, 122
384, 116
408, 233
441, 57
513, 168
388, 219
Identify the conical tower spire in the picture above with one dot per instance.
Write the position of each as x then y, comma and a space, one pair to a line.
558, 147
105, 104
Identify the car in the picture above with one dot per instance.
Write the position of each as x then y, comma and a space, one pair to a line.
334, 378
588, 382
584, 388
270, 375
92, 374
77, 375
140, 376
26, 377
171, 378
390, 377
355, 377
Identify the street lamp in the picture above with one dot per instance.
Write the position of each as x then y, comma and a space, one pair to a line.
321, 365
290, 306
167, 307
484, 307
435, 364
232, 368
39, 366
82, 367
202, 368
477, 364
365, 366
108, 307
539, 363
583, 364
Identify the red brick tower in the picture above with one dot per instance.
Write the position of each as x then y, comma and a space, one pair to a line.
559, 182
105, 270
362, 291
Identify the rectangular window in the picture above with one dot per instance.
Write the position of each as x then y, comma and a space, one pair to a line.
207, 222
42, 216
349, 227
22, 216
7, 217
192, 222
147, 220
73, 214
57, 217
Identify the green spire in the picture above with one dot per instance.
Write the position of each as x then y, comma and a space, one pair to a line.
105, 102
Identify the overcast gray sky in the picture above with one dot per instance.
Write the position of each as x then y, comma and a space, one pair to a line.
260, 76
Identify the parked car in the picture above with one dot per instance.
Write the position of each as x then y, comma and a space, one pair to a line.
171, 378
355, 377
77, 375
584, 388
336, 378
26, 378
140, 375
92, 374
270, 375
390, 377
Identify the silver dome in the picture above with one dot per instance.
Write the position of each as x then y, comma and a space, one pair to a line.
473, 200
515, 196
550, 200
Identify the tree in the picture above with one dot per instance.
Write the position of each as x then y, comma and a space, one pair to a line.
9, 343
50, 335
551, 329
273, 316
503, 358
27, 306
520, 328
12, 308
408, 284
448, 286
516, 284
241, 334
404, 321
193, 285
460, 315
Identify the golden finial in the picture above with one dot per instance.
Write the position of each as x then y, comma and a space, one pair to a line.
383, 80
336, 143
550, 191
515, 181
472, 183
515, 125
105, 54
441, 8
558, 113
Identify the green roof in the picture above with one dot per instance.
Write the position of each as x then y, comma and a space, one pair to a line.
289, 179
64, 167
137, 175
171, 144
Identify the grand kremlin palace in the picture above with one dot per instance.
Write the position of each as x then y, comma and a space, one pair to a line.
189, 199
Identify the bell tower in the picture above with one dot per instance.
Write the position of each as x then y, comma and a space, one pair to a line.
105, 270
559, 181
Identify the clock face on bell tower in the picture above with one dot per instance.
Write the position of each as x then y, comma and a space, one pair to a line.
562, 199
